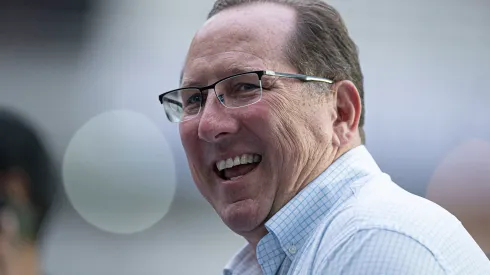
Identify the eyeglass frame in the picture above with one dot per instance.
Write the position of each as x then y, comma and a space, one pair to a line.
260, 74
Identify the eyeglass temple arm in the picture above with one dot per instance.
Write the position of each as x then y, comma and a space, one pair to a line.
302, 77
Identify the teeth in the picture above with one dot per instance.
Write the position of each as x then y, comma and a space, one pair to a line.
250, 158
221, 165
243, 159
229, 163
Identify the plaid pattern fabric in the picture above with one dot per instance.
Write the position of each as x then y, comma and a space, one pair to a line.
353, 219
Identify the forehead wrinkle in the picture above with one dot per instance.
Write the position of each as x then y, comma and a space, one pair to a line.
227, 54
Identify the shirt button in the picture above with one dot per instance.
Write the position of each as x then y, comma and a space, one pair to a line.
292, 249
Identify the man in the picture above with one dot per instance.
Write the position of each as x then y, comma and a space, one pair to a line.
271, 114
26, 193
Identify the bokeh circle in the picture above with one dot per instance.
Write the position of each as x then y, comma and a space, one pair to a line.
461, 184
119, 172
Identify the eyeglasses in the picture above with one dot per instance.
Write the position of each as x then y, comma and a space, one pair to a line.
234, 91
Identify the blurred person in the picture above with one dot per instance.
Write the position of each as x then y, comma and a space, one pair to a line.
271, 116
26, 194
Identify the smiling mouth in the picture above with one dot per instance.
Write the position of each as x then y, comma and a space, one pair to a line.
234, 168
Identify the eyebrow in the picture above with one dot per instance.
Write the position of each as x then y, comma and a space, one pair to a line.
242, 69
173, 101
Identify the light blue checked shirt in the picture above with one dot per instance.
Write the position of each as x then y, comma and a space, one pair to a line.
353, 219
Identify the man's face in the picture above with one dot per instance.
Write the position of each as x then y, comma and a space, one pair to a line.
286, 131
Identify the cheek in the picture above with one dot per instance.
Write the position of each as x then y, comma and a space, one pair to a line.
284, 125
282, 138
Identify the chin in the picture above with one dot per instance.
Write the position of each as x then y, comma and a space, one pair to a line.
243, 216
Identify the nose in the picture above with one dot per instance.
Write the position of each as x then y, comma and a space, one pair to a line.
215, 122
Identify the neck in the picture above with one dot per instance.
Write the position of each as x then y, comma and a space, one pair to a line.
318, 164
254, 237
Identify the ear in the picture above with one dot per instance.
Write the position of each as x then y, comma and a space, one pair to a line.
348, 107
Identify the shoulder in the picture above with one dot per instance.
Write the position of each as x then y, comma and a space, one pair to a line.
380, 251
381, 204
383, 228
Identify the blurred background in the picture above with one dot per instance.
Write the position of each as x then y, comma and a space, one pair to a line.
87, 74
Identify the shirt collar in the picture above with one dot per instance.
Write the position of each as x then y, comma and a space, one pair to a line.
294, 223
242, 261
